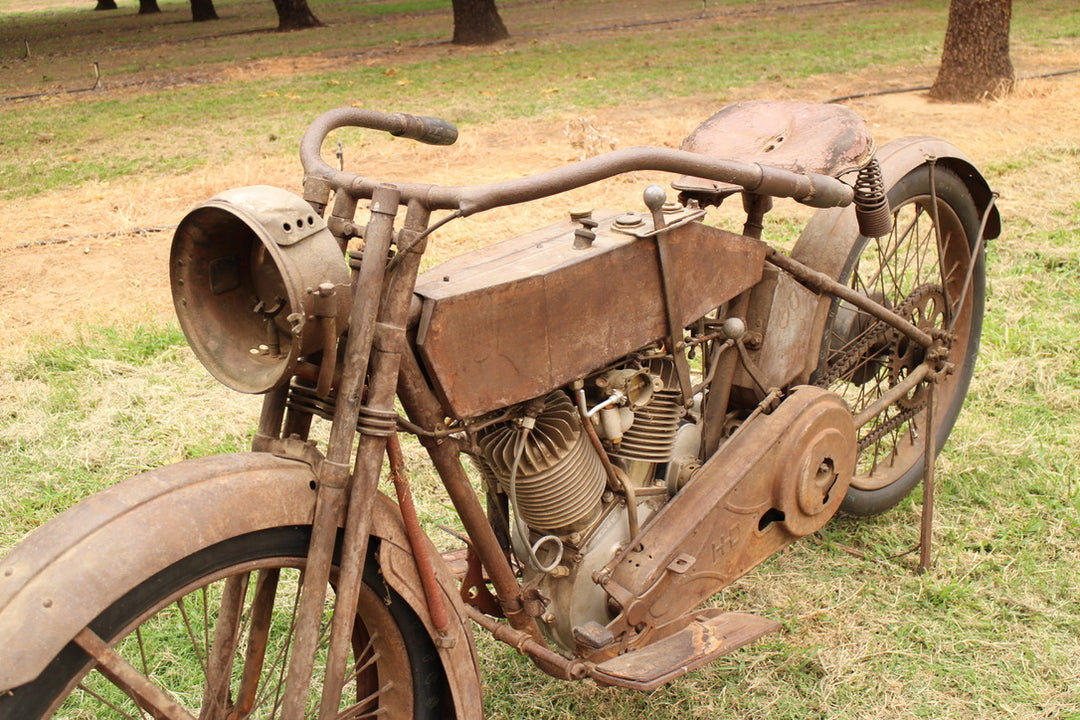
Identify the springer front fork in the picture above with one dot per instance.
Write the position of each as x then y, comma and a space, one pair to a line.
347, 481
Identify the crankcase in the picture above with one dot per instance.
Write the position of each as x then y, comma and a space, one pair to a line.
513, 320
782, 476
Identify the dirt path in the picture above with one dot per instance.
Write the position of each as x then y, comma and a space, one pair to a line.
71, 259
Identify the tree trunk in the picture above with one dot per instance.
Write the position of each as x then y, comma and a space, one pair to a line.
295, 15
106, 5
148, 7
203, 10
477, 22
975, 62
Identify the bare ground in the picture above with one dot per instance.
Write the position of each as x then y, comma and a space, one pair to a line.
78, 257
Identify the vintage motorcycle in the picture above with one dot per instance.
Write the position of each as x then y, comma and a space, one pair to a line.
628, 410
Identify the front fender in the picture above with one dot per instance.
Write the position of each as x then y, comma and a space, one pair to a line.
62, 575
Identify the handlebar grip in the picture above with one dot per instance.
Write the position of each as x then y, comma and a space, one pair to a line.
430, 130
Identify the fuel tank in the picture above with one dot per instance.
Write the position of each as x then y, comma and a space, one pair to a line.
512, 320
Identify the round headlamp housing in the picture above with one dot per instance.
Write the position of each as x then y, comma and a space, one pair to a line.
258, 282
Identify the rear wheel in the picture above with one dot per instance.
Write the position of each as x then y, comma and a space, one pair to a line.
919, 270
210, 637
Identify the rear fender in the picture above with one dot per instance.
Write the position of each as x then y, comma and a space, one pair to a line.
826, 242
55, 582
817, 245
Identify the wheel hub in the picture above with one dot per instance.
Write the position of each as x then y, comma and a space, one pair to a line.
924, 308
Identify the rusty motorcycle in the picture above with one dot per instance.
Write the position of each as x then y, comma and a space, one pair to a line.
628, 410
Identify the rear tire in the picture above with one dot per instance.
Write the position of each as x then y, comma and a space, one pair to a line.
861, 359
165, 629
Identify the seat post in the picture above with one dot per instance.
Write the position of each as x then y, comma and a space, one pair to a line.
755, 206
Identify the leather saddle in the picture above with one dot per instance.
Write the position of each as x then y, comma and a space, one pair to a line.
798, 136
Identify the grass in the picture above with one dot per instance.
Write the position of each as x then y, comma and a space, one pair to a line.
992, 631
81, 416
52, 142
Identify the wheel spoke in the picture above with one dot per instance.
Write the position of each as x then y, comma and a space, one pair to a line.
220, 659
919, 270
123, 675
281, 657
142, 651
110, 704
147, 654
181, 605
262, 607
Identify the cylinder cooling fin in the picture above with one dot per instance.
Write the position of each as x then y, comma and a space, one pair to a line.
651, 437
559, 478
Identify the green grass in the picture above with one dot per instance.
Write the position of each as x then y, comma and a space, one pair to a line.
77, 417
60, 143
992, 631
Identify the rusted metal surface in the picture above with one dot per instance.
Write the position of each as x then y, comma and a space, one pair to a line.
813, 189
926, 522
533, 313
626, 482
262, 607
823, 283
377, 414
243, 265
84, 559
332, 499
423, 408
817, 244
778, 343
412, 527
551, 662
797, 136
148, 695
709, 635
780, 478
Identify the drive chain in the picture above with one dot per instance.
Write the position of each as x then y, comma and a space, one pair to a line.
872, 336
886, 427
858, 351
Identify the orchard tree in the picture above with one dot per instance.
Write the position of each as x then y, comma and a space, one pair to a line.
477, 22
106, 5
148, 7
975, 62
203, 10
295, 15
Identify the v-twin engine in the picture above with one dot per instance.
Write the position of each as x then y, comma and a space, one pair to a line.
780, 475
574, 517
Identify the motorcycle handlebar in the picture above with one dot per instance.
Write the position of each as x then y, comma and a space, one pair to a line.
429, 130
809, 189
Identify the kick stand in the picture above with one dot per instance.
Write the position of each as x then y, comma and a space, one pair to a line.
926, 529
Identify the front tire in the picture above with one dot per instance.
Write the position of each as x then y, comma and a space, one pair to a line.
171, 630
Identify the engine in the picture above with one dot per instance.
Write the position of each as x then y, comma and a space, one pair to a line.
582, 467
550, 471
569, 517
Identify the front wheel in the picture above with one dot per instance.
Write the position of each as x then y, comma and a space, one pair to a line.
920, 270
210, 637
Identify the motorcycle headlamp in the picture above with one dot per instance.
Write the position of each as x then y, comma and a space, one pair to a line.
258, 282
